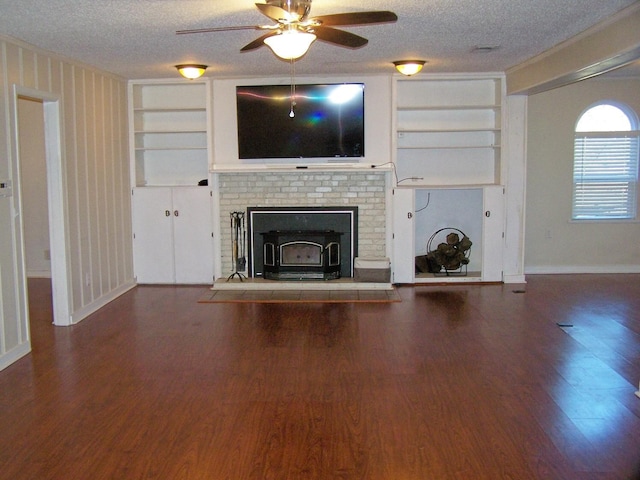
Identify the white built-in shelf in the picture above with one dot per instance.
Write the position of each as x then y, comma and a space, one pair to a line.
408, 108
470, 277
165, 132
448, 130
174, 149
445, 130
447, 154
411, 184
169, 132
450, 147
169, 109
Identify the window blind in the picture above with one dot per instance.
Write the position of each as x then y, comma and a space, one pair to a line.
605, 175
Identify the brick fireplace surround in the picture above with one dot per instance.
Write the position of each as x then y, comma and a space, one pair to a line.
365, 189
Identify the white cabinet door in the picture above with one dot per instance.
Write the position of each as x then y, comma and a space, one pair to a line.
492, 235
192, 227
172, 235
403, 263
153, 238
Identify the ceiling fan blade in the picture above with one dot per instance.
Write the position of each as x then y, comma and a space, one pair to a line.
357, 18
276, 13
257, 43
219, 29
339, 37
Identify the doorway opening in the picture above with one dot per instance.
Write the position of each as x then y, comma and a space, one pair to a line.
42, 195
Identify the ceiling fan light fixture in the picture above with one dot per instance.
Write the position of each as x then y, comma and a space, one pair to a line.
409, 67
191, 70
290, 44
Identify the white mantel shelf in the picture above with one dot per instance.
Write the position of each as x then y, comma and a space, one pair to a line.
302, 167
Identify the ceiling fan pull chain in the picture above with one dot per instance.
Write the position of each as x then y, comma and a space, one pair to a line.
293, 88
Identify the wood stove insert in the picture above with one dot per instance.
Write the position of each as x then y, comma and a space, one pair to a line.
339, 219
301, 254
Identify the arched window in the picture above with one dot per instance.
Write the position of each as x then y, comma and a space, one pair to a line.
605, 163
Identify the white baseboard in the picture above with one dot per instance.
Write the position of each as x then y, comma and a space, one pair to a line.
514, 279
38, 274
580, 269
14, 354
94, 306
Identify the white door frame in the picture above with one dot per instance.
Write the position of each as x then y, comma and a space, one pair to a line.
56, 200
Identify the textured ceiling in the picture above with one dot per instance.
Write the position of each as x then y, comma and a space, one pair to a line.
136, 38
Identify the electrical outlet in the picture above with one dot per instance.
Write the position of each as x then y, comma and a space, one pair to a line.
87, 279
547, 234
5, 188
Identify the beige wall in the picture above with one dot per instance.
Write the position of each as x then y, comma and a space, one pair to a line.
33, 186
554, 244
96, 191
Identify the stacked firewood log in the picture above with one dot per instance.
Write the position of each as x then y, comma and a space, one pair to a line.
451, 254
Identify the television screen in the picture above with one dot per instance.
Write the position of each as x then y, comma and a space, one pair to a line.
317, 121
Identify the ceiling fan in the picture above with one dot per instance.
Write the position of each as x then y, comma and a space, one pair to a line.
294, 30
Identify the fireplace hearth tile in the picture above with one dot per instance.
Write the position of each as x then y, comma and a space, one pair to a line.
300, 296
312, 295
341, 284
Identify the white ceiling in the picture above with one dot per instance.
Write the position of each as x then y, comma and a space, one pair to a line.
136, 38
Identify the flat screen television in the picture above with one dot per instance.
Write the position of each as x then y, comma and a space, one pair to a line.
327, 121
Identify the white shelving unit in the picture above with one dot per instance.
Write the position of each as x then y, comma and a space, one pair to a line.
448, 133
170, 132
448, 130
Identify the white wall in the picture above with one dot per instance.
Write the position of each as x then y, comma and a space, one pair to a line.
96, 187
554, 244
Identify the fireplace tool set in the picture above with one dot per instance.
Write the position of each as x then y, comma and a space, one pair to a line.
238, 240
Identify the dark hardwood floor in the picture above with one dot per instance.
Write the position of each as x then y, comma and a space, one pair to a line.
454, 382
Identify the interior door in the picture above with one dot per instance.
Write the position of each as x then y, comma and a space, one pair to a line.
153, 239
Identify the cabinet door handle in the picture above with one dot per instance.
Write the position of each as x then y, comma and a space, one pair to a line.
487, 213
409, 215
167, 213
176, 213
